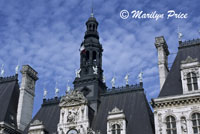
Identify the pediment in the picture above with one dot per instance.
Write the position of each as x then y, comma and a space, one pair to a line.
73, 98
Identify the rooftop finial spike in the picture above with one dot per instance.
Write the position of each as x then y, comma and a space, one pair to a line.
92, 12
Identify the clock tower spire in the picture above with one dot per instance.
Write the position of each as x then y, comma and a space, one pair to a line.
90, 78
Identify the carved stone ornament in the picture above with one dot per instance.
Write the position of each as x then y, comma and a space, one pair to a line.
183, 125
118, 122
36, 122
194, 70
73, 98
189, 60
90, 131
115, 110
72, 116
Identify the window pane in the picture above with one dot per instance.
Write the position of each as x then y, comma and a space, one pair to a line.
195, 86
189, 87
195, 130
174, 131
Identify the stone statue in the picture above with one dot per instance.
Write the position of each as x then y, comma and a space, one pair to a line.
95, 69
78, 73
104, 79
126, 78
180, 35
140, 76
68, 87
71, 118
56, 90
45, 93
183, 125
113, 81
2, 70
17, 69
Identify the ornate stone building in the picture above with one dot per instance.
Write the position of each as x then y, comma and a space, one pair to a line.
92, 108
177, 108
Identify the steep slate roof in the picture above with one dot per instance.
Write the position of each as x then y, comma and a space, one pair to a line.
49, 114
173, 85
9, 95
133, 102
135, 107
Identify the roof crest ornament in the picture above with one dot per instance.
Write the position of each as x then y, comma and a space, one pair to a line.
189, 60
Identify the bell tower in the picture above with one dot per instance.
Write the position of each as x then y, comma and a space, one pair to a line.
89, 77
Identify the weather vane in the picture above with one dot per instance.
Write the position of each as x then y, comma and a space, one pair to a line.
92, 12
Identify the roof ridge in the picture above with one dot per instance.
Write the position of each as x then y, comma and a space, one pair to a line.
9, 78
188, 43
50, 101
124, 89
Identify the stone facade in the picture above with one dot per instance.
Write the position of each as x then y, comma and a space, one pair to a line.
178, 107
74, 113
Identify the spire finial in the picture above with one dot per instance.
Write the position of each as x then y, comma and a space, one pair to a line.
2, 70
92, 12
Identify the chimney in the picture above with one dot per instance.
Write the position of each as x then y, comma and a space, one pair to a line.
26, 97
163, 53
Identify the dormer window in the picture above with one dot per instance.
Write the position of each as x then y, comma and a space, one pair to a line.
190, 70
116, 122
192, 81
116, 129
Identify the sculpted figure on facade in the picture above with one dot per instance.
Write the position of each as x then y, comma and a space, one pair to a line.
183, 125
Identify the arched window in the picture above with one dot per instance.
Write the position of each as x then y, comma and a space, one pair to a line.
171, 125
192, 81
196, 123
94, 56
87, 55
116, 129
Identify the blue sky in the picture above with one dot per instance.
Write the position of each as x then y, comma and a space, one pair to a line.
47, 34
